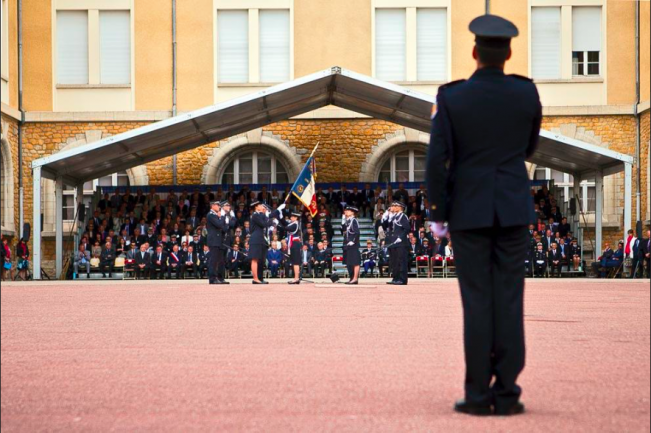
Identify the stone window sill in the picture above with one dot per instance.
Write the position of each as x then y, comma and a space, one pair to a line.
420, 83
575, 80
93, 86
236, 85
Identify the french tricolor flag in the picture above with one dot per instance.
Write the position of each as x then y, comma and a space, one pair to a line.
305, 186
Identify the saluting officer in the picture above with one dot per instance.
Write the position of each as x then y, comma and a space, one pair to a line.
261, 221
485, 128
352, 255
217, 227
397, 223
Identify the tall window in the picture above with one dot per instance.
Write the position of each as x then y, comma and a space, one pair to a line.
432, 46
274, 46
74, 53
391, 44
546, 42
255, 168
115, 47
70, 200
406, 166
233, 45
72, 47
586, 41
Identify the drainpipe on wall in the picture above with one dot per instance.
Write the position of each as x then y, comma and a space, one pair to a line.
174, 108
638, 126
488, 7
21, 191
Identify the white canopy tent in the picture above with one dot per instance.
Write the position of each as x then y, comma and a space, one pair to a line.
334, 86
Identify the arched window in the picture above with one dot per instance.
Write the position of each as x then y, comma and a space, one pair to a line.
6, 187
404, 166
256, 167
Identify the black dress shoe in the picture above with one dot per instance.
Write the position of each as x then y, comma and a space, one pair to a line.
518, 409
294, 282
472, 409
352, 283
261, 282
391, 283
399, 283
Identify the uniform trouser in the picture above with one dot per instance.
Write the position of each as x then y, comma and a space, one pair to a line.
216, 264
491, 276
637, 265
399, 262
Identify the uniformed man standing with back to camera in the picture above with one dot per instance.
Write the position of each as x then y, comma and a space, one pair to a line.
486, 127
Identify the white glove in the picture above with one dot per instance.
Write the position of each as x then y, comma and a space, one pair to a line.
222, 213
385, 216
343, 220
276, 221
398, 241
271, 229
232, 214
439, 229
228, 220
351, 244
267, 214
282, 207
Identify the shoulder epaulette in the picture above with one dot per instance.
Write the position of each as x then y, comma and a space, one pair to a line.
521, 77
451, 83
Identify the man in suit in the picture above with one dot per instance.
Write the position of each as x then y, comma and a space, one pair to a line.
174, 263
204, 260
482, 133
143, 262
600, 264
307, 260
555, 260
82, 259
540, 261
274, 259
158, 264
190, 260
107, 261
234, 261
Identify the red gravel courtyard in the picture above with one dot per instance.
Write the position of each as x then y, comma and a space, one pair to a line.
185, 356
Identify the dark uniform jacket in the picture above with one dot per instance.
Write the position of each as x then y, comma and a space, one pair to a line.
351, 233
399, 228
216, 230
485, 127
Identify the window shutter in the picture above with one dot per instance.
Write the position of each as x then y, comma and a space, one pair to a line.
115, 47
274, 46
546, 42
432, 44
72, 47
586, 29
390, 44
233, 46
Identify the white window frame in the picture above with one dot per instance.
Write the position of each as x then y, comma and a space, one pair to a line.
88, 193
412, 7
253, 7
254, 154
566, 40
82, 97
412, 164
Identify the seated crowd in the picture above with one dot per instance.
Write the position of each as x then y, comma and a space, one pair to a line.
166, 237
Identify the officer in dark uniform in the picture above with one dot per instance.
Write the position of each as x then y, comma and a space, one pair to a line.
295, 244
485, 128
397, 223
261, 220
217, 227
351, 231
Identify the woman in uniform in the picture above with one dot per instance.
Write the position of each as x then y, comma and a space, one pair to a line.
261, 221
293, 229
351, 232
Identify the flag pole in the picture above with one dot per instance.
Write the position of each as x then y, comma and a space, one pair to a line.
311, 156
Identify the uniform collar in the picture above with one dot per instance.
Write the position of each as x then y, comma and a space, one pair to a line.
487, 73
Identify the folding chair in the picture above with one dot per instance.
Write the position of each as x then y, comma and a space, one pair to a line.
339, 260
129, 270
438, 267
450, 267
423, 264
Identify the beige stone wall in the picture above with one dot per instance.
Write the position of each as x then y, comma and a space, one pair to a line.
621, 52
345, 41
37, 54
